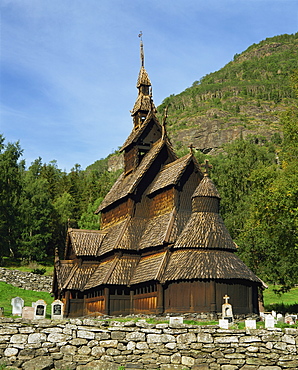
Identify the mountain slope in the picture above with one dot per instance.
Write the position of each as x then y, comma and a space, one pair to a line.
243, 98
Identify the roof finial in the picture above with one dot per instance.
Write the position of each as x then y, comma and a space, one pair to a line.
207, 167
142, 49
191, 148
164, 122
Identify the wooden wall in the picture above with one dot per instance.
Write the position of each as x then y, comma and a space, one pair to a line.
198, 296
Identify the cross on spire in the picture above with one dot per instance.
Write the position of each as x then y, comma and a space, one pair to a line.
226, 298
191, 148
206, 167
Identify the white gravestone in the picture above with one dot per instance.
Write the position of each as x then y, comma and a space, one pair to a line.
17, 306
269, 322
40, 309
57, 310
176, 320
250, 324
223, 323
227, 312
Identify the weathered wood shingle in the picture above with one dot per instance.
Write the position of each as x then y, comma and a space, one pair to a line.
86, 242
149, 268
126, 184
206, 264
170, 174
205, 230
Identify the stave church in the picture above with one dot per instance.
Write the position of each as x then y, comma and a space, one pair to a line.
162, 246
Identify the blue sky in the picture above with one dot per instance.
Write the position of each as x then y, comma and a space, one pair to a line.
68, 68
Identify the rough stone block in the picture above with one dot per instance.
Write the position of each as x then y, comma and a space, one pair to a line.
37, 338
39, 363
57, 337
109, 343
19, 338
160, 338
136, 336
97, 351
186, 338
176, 358
10, 352
187, 361
204, 338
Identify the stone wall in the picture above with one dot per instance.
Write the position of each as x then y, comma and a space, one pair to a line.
102, 345
26, 280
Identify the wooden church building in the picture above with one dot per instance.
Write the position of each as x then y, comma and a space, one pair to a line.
162, 246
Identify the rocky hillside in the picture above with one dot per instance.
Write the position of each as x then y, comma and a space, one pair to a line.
245, 97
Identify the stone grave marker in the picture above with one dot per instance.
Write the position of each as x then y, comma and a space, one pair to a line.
250, 324
40, 309
227, 312
289, 319
223, 323
269, 322
176, 320
57, 310
28, 313
280, 318
17, 305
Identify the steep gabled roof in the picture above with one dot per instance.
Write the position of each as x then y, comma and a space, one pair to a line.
159, 230
117, 271
150, 268
171, 173
126, 184
206, 264
136, 133
74, 275
86, 242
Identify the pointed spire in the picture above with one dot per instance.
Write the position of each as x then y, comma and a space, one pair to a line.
142, 49
144, 103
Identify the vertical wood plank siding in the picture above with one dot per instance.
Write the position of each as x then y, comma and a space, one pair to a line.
93, 305
145, 303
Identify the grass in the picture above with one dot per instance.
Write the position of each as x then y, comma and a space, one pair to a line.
283, 303
17, 264
7, 292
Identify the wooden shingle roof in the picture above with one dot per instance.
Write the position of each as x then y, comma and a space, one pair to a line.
62, 271
99, 274
205, 230
117, 271
170, 174
143, 78
86, 242
206, 188
158, 230
206, 264
136, 133
126, 185
113, 237
150, 268
78, 275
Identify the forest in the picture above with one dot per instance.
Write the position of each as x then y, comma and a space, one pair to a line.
256, 177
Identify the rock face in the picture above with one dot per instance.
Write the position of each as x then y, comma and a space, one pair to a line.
103, 345
26, 280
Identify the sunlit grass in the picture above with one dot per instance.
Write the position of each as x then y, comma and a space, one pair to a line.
7, 292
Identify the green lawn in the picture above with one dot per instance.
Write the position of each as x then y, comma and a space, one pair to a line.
286, 302
7, 292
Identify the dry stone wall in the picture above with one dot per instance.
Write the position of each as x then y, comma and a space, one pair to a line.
26, 280
102, 345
